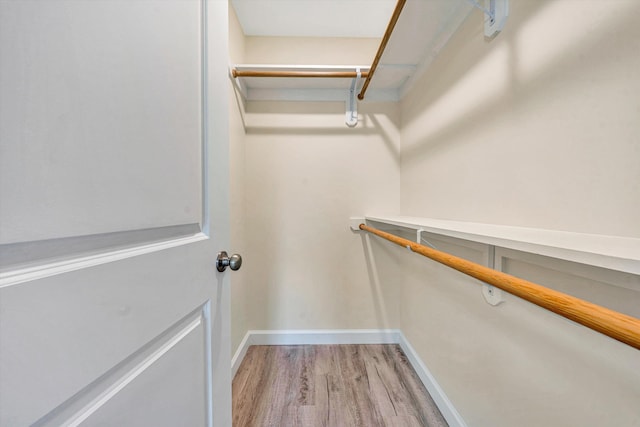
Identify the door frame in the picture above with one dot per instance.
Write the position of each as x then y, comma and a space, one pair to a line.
216, 137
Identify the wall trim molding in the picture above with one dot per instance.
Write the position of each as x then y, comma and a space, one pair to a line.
352, 336
443, 403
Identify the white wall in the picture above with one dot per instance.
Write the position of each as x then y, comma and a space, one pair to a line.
310, 50
537, 128
540, 128
304, 173
239, 284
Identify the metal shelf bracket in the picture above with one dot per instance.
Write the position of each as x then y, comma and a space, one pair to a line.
352, 103
496, 14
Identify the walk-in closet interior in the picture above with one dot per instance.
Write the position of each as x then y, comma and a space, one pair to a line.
517, 149
450, 188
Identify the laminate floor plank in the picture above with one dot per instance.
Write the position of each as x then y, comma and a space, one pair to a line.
307, 377
398, 394
352, 367
429, 414
330, 386
378, 392
247, 381
403, 420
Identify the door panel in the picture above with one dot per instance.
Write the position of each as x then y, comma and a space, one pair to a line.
71, 328
109, 91
135, 391
111, 309
182, 366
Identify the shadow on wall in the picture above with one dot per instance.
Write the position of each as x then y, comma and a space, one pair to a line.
385, 276
310, 119
558, 66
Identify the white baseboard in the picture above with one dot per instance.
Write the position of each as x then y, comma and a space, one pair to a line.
443, 403
353, 336
241, 351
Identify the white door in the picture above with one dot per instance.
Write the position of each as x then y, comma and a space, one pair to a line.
113, 186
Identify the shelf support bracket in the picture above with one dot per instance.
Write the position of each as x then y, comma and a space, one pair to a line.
422, 241
496, 13
492, 295
494, 23
352, 103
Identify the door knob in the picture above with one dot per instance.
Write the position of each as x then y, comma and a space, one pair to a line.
223, 261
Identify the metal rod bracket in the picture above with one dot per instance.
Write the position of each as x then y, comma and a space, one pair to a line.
496, 13
351, 103
496, 18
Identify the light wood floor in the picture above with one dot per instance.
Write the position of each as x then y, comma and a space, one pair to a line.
330, 385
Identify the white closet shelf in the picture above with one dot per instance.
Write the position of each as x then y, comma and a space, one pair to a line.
612, 252
422, 30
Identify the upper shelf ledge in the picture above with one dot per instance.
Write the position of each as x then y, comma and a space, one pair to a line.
612, 252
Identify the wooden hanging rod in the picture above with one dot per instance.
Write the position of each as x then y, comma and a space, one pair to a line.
289, 73
616, 325
383, 45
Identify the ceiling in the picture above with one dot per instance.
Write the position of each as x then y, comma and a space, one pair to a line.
314, 18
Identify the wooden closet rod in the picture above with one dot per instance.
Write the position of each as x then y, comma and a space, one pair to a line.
608, 322
308, 74
383, 45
